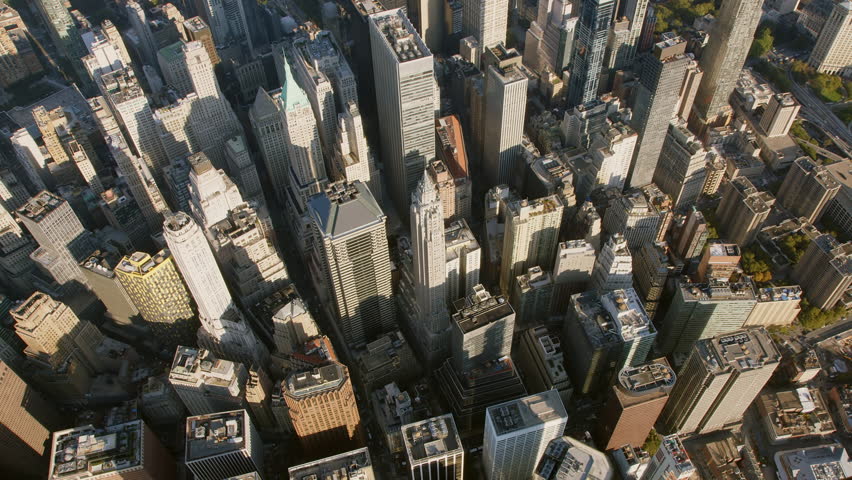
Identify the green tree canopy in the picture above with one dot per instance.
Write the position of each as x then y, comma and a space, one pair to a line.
762, 43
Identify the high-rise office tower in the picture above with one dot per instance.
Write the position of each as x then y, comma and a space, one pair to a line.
550, 38
223, 327
173, 122
608, 163
541, 358
464, 257
316, 84
249, 260
242, 168
572, 271
807, 189
356, 464
825, 271
634, 215
27, 420
63, 33
300, 132
565, 455
212, 194
30, 158
506, 101
701, 311
131, 108
292, 323
680, 170
485, 20
693, 236
156, 289
122, 451
353, 158
530, 235
653, 265
60, 235
173, 68
227, 20
53, 334
267, 122
614, 266
532, 295
98, 270
724, 56
742, 211
205, 383
518, 432
212, 120
432, 324
431, 27
660, 79
600, 350
689, 88
830, 54
779, 115
15, 248
403, 71
635, 11
160, 403
454, 184
634, 403
353, 258
434, 449
775, 306
222, 445
147, 45
258, 397
719, 262
196, 30
616, 45
720, 379
322, 407
482, 328
671, 462
589, 51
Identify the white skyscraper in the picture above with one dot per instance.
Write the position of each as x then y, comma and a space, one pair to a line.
30, 157
403, 68
223, 328
614, 266
267, 123
131, 108
486, 20
317, 86
430, 273
506, 102
212, 194
353, 159
517, 433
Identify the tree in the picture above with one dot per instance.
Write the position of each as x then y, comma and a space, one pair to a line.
762, 43
794, 246
813, 318
827, 87
652, 442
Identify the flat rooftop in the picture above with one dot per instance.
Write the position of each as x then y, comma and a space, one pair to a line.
302, 384
824, 462
215, 434
351, 465
480, 309
741, 350
718, 249
141, 263
717, 291
647, 378
568, 459
527, 412
400, 35
86, 452
193, 365
434, 437
40, 206
674, 449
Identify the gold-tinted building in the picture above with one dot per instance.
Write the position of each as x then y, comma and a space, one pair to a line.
157, 289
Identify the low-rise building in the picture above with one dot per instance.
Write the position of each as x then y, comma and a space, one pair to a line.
221, 445
540, 358
351, 465
824, 462
794, 414
840, 398
775, 306
432, 446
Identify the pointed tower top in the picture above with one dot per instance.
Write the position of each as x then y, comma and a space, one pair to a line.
426, 192
263, 105
292, 95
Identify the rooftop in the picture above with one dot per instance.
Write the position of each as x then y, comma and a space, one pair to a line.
627, 313
194, 365
708, 292
86, 452
824, 462
400, 35
719, 249
40, 206
326, 377
674, 449
345, 208
101, 263
647, 378
527, 412
568, 459
215, 434
741, 350
352, 465
140, 263
480, 309
779, 294
434, 437
795, 413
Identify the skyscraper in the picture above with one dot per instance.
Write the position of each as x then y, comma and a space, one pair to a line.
351, 252
599, 350
158, 292
267, 122
222, 445
825, 271
807, 189
434, 449
701, 311
212, 194
517, 433
27, 420
482, 328
779, 114
565, 455
589, 51
532, 294
719, 380
724, 56
223, 327
353, 159
454, 184
464, 258
742, 211
660, 79
403, 71
205, 383
693, 236
830, 54
122, 451
614, 266
98, 268
356, 463
634, 403
680, 171
485, 20
63, 32
505, 105
671, 462
432, 324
